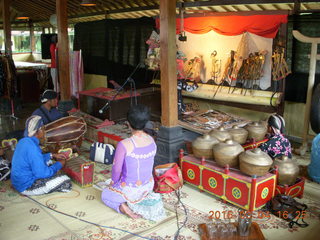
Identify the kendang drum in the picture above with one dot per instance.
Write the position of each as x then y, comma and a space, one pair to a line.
63, 133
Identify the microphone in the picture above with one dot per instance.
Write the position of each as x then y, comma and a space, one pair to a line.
104, 107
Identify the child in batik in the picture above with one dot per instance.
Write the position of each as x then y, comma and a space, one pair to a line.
277, 145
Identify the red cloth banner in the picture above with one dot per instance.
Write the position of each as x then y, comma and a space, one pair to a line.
263, 25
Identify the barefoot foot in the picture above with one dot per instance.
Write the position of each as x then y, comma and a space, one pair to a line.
124, 208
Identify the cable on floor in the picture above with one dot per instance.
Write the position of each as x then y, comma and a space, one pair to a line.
176, 235
82, 220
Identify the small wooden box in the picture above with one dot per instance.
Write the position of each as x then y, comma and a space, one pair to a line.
92, 125
231, 185
295, 190
80, 171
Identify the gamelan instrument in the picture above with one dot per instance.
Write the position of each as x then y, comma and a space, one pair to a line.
80, 170
288, 170
63, 133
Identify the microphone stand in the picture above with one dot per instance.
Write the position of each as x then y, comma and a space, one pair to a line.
132, 85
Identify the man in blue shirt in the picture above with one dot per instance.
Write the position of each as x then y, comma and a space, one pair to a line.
30, 172
48, 110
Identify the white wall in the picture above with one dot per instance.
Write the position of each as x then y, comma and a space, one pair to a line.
202, 45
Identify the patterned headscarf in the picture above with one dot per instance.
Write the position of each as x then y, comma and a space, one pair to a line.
276, 122
33, 124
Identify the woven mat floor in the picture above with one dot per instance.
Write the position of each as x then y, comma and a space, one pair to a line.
35, 219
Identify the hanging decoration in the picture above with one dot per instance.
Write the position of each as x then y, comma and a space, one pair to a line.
53, 20
279, 66
153, 55
8, 77
262, 25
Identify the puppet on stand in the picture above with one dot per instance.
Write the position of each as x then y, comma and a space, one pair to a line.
182, 82
193, 69
215, 67
229, 68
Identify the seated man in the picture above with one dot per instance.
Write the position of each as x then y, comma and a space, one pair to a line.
30, 173
48, 110
278, 144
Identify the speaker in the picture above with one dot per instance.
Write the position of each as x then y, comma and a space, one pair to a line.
46, 40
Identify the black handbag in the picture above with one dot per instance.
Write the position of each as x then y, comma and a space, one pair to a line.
289, 209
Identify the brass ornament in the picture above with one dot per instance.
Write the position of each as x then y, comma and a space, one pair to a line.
227, 153
202, 146
220, 133
238, 134
257, 131
255, 162
288, 170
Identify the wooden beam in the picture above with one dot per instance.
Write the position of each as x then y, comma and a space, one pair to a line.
5, 6
238, 2
169, 100
63, 49
124, 10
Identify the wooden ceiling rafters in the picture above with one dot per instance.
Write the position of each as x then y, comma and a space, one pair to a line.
40, 11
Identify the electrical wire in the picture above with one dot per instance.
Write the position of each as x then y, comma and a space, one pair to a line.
92, 223
176, 235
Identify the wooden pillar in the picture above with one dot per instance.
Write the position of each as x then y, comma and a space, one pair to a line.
170, 136
5, 6
168, 49
32, 38
63, 49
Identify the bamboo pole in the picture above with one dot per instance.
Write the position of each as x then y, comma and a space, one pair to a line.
211, 92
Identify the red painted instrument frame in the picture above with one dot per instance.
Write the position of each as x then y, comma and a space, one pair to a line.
295, 190
249, 193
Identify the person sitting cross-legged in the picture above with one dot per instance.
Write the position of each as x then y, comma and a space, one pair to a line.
30, 171
131, 189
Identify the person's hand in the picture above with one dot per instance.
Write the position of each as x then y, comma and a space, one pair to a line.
1, 151
62, 161
59, 156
